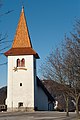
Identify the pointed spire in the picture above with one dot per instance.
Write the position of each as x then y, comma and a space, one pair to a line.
21, 44
22, 8
22, 38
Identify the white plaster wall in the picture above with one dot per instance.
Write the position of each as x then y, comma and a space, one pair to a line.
17, 93
42, 99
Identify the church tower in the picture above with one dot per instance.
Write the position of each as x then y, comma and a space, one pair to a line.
21, 70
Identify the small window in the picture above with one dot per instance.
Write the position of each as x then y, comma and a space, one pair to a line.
20, 104
20, 84
23, 62
18, 62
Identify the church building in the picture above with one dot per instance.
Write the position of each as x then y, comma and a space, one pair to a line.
25, 91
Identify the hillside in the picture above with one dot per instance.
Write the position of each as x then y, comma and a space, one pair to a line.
56, 90
3, 95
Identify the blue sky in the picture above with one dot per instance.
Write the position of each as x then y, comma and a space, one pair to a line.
48, 21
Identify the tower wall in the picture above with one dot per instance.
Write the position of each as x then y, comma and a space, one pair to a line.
20, 94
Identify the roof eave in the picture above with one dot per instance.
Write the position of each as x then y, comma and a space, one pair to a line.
11, 52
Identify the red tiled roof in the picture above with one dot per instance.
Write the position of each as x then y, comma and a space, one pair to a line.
22, 43
21, 51
22, 38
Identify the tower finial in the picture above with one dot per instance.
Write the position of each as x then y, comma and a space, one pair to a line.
22, 8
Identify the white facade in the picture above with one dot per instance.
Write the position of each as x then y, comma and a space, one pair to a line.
25, 76
28, 94
42, 99
23, 91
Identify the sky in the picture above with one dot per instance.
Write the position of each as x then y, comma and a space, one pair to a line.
47, 20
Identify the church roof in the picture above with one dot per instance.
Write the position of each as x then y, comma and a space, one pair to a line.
22, 43
21, 51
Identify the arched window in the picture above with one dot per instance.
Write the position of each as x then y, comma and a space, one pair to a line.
23, 62
18, 62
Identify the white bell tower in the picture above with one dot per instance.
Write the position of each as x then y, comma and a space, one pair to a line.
21, 70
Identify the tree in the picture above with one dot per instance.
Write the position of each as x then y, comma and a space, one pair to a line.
53, 70
4, 43
72, 66
64, 67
